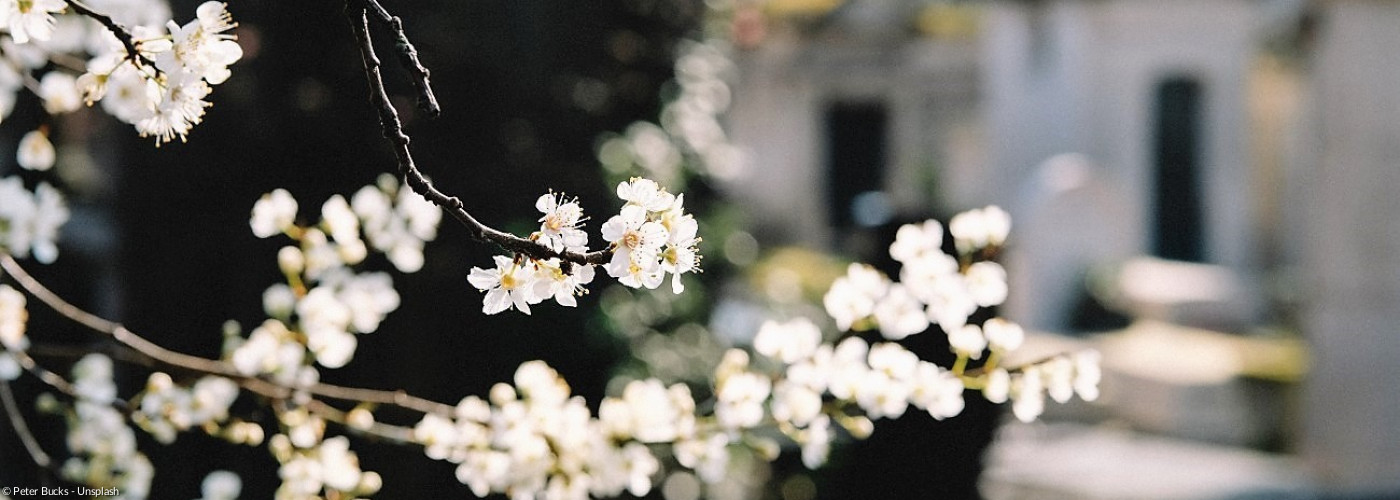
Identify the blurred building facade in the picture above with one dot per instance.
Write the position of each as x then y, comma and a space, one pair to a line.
1253, 138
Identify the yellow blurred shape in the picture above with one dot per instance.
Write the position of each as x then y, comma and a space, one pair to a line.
1164, 351
945, 20
801, 8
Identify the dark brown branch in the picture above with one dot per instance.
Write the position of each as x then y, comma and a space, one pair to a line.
207, 366
126, 38
393, 130
408, 58
31, 445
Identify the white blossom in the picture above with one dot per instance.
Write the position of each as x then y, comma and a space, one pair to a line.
637, 244
796, 403
1087, 374
221, 485
166, 408
1059, 378
1028, 394
646, 194
9, 366
273, 213
852, 297
986, 283
707, 455
1003, 335
789, 341
847, 369
900, 314
201, 47
103, 447
967, 340
913, 241
816, 442
559, 225
35, 152
949, 302
998, 386
649, 412
680, 255
180, 107
980, 228
937, 391
12, 319
506, 285
551, 281
33, 19
396, 221
126, 93
740, 400
60, 93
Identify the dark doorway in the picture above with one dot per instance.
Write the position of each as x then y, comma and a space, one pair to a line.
855, 138
1177, 219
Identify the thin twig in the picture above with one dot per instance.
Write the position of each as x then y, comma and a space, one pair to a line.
124, 36
408, 57
394, 433
198, 364
115, 351
393, 131
979, 371
22, 429
48, 377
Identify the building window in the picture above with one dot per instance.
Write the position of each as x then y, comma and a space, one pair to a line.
1178, 232
855, 139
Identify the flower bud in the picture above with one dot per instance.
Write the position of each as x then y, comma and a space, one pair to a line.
290, 260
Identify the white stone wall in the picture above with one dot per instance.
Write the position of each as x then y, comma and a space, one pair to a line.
929, 91
1080, 77
1351, 433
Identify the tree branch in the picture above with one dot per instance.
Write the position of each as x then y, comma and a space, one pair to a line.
355, 12
207, 366
31, 445
124, 36
408, 58
393, 433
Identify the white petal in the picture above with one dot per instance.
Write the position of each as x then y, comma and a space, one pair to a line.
484, 279
496, 300
521, 301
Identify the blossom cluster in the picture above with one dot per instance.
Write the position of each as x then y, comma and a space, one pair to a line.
29, 221
942, 289
314, 317
1061, 378
652, 236
313, 464
161, 89
934, 287
103, 446
324, 303
165, 101
535, 439
166, 408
